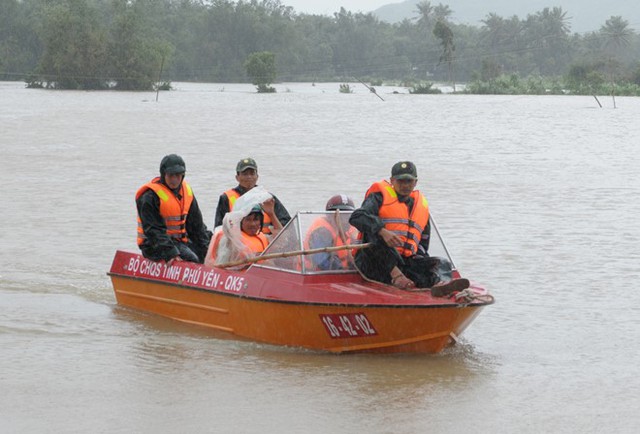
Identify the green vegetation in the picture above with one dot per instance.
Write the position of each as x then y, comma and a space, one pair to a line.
124, 44
513, 85
165, 85
261, 67
424, 88
345, 88
445, 35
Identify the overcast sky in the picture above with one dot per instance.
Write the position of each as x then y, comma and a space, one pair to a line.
328, 7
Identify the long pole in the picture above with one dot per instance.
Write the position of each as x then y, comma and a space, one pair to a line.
159, 75
292, 253
371, 89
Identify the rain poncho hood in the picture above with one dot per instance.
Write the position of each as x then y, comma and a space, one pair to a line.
231, 248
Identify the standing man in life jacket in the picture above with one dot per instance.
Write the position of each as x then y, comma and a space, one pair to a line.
247, 177
170, 225
325, 232
395, 218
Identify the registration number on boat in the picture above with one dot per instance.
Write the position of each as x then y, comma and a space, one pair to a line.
347, 325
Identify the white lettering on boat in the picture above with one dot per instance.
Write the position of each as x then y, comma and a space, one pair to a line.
210, 279
184, 274
347, 325
145, 267
151, 268
191, 275
233, 283
134, 264
171, 273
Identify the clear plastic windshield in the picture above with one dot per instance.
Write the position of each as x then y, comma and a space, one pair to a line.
436, 244
325, 237
329, 240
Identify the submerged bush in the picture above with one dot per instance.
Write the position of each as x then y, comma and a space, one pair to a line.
165, 85
345, 88
512, 85
424, 88
263, 88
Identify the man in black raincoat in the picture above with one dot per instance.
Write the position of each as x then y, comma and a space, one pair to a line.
400, 242
170, 224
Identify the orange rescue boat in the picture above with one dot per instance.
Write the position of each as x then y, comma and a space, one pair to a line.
287, 301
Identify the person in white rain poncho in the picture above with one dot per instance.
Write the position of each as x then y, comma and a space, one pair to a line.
240, 236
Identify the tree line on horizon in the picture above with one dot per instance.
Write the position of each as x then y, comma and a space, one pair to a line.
134, 44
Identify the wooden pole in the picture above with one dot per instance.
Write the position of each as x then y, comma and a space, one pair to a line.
159, 75
292, 253
597, 100
371, 89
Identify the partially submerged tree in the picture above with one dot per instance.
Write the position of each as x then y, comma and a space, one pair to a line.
617, 34
442, 31
75, 46
136, 55
261, 68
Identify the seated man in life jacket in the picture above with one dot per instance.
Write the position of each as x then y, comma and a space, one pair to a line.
170, 225
395, 218
240, 237
331, 231
247, 177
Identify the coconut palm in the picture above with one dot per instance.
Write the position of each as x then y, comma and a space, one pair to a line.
493, 31
617, 35
442, 12
616, 32
443, 32
425, 14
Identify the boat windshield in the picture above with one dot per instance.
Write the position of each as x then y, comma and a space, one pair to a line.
329, 237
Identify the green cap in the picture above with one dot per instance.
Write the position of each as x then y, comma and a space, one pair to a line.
404, 170
246, 163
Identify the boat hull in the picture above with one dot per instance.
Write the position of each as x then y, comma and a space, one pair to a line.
382, 322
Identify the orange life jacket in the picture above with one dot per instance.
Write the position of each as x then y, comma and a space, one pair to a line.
174, 211
267, 225
324, 223
212, 251
396, 218
257, 243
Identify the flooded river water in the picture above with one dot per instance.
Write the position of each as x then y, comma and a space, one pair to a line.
536, 197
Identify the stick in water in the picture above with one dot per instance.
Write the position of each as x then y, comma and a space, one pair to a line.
371, 89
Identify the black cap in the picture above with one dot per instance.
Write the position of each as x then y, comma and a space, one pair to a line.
404, 170
246, 163
172, 164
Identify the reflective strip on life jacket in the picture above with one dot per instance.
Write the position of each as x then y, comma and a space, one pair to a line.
232, 195
395, 216
174, 211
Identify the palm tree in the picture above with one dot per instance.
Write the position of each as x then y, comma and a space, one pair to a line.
554, 22
425, 12
616, 36
556, 30
442, 12
493, 31
443, 32
616, 33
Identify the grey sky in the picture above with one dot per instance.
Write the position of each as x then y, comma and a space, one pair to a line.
328, 7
